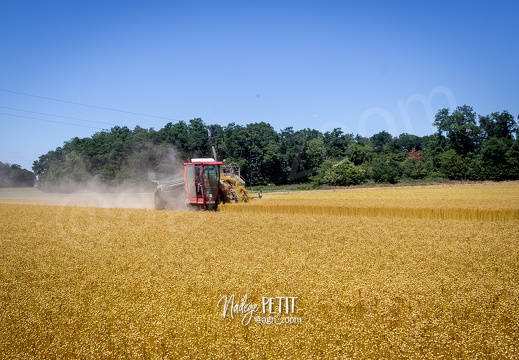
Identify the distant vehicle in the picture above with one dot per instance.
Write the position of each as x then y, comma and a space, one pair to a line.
202, 184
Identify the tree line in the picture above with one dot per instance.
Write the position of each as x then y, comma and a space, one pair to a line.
464, 147
12, 175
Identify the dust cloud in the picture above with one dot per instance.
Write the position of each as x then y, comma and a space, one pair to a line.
93, 192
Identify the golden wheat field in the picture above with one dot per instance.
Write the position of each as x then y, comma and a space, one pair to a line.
308, 280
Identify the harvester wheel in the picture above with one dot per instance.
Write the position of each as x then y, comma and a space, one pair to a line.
160, 204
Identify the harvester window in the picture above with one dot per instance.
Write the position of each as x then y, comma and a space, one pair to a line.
191, 180
211, 176
198, 179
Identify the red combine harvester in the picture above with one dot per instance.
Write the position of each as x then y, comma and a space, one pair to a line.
201, 184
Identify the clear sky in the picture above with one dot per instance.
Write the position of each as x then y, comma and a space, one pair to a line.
363, 66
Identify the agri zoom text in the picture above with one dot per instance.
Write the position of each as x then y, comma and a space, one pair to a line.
275, 310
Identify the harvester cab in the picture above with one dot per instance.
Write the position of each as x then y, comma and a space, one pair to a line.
202, 179
201, 182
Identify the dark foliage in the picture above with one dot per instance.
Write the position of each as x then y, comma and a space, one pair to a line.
462, 148
14, 176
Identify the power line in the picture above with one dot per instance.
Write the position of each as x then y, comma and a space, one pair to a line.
87, 105
63, 117
52, 121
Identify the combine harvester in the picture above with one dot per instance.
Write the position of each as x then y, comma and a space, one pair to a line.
204, 187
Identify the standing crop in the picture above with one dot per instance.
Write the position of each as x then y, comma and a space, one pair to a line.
84, 282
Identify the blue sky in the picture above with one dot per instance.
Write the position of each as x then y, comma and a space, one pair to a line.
361, 66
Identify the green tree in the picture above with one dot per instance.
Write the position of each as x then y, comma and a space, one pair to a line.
336, 143
177, 135
219, 141
385, 169
256, 151
49, 169
12, 175
435, 145
476, 168
197, 141
382, 141
315, 152
413, 167
359, 154
301, 152
320, 178
453, 165
407, 142
309, 157
512, 156
75, 170
500, 125
460, 129
495, 160
343, 173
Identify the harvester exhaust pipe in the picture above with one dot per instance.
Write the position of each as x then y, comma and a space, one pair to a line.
213, 150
